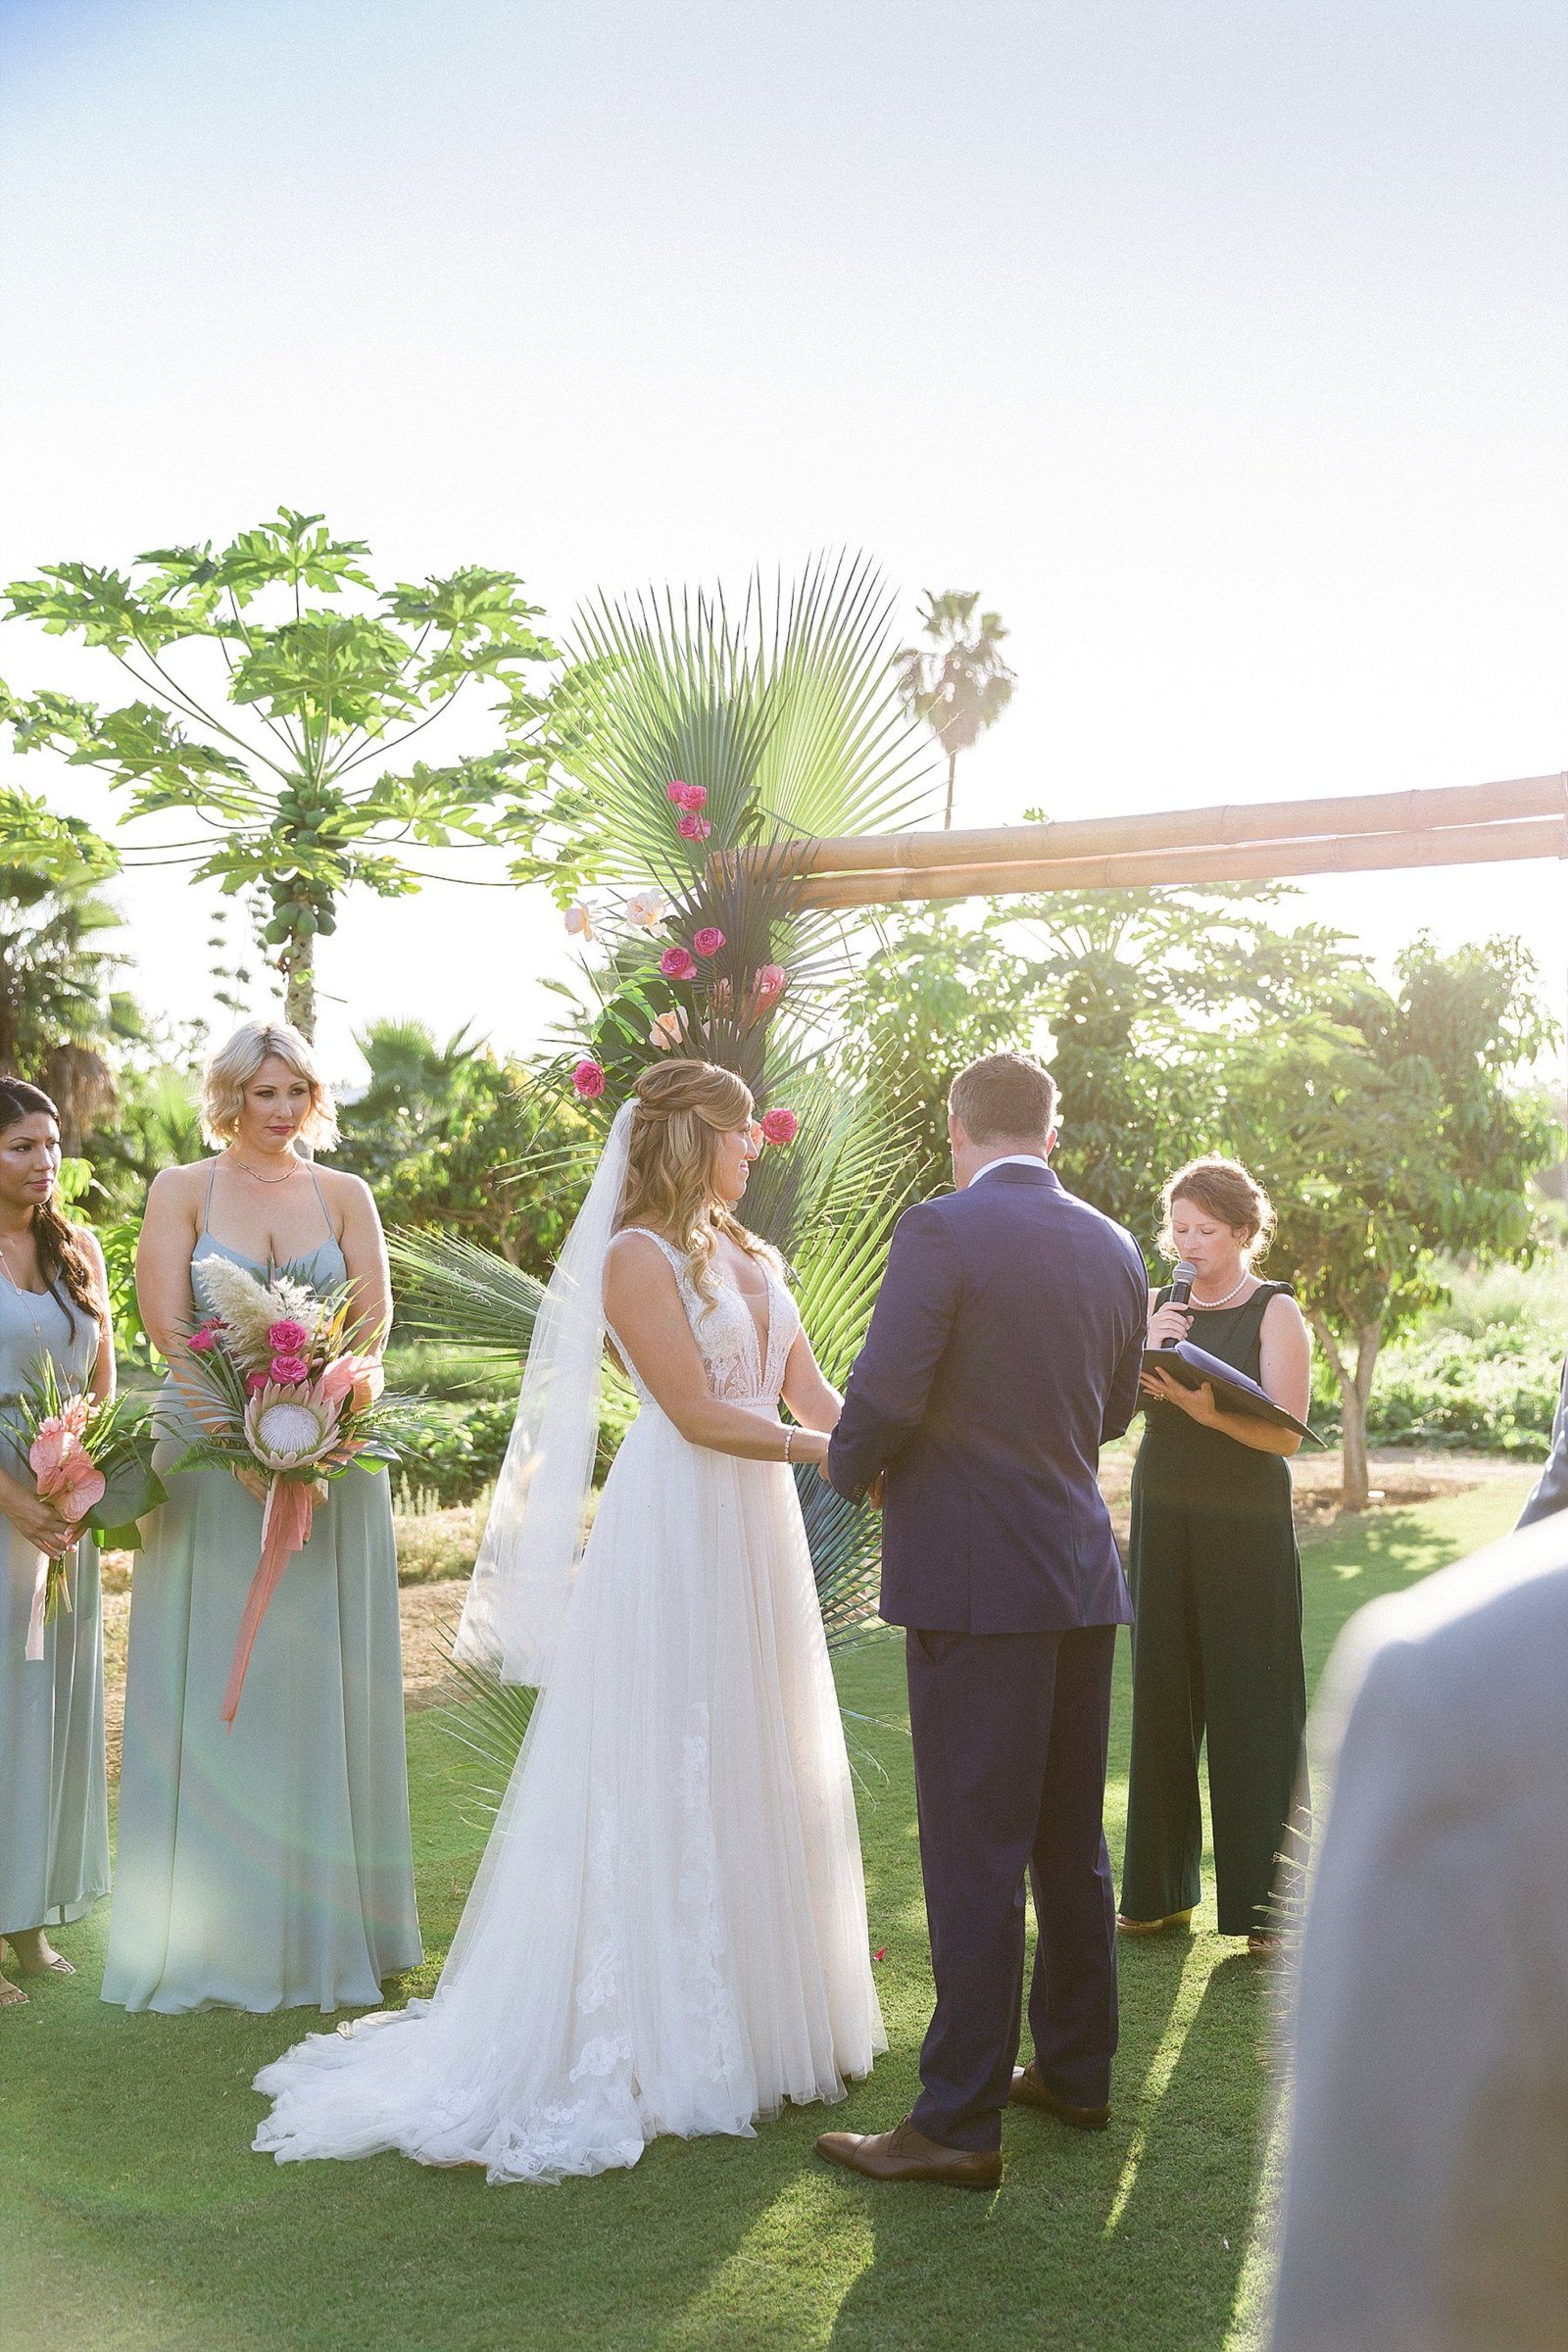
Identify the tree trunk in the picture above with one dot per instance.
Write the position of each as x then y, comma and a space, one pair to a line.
953, 770
1355, 1394
299, 986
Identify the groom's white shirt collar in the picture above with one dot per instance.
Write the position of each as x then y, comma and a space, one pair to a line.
1012, 1160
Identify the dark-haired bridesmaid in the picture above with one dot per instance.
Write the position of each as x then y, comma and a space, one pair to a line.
54, 1808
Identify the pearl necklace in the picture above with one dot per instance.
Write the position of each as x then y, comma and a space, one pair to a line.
1211, 1305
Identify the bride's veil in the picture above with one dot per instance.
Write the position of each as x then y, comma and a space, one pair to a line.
516, 1601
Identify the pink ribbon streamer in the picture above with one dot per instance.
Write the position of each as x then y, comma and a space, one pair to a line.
285, 1529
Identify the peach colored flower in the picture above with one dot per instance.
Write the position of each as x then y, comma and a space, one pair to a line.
644, 908
668, 1029
51, 1444
358, 1380
579, 920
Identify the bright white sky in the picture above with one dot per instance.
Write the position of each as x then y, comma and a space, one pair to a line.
1221, 346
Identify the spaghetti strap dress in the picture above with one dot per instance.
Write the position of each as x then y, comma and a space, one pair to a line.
269, 1866
53, 1802
1216, 1587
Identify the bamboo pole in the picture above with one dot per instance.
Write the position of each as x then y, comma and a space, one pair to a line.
1450, 845
1228, 826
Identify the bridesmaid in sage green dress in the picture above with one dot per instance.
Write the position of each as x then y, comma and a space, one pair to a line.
267, 1865
54, 1809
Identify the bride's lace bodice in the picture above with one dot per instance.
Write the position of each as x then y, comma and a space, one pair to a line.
739, 1368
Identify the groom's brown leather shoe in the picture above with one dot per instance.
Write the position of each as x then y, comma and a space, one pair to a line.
906, 2155
1029, 2091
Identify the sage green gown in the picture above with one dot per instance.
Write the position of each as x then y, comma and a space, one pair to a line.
54, 1806
267, 1866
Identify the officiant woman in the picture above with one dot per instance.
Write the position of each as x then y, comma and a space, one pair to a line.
1215, 1577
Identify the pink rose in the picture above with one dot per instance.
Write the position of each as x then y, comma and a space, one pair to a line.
676, 792
203, 1337
694, 828
771, 981
290, 1371
780, 1126
287, 1337
707, 941
256, 1382
589, 1080
676, 963
689, 797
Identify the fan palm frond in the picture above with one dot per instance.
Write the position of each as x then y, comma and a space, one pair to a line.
461, 1295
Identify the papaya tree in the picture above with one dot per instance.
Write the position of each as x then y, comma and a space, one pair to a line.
276, 689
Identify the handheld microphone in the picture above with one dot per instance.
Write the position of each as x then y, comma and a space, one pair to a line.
1181, 1284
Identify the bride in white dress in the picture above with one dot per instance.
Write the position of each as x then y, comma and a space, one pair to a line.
667, 1931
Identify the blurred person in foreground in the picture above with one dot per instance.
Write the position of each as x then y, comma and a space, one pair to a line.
1550, 1490
1426, 2199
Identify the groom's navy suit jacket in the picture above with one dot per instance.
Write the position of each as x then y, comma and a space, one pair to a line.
1003, 1350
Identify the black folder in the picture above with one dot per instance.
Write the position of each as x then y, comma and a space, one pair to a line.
1234, 1392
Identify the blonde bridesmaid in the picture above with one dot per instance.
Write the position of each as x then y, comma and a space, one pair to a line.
267, 1865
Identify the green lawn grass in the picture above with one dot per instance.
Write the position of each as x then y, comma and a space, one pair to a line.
135, 2219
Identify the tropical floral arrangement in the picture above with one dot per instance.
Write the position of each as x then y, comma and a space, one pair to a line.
285, 1393
92, 1460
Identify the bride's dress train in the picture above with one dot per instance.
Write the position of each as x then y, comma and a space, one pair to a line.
669, 1929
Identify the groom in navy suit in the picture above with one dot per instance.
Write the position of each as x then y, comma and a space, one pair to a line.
1004, 1351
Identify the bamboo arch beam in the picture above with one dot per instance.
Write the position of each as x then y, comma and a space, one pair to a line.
1229, 826
1263, 862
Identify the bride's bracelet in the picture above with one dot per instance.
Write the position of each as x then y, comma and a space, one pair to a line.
789, 1438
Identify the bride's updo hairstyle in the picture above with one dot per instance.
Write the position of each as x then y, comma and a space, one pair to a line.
683, 1108
231, 1068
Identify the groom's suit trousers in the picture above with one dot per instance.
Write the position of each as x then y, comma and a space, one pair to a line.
1011, 1734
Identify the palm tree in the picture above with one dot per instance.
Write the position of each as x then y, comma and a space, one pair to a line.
956, 683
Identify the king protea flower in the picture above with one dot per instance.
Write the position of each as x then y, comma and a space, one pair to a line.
291, 1429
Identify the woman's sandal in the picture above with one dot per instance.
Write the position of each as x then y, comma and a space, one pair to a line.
1152, 1926
11, 1995
50, 1964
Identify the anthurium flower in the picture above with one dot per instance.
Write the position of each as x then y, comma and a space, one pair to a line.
355, 1380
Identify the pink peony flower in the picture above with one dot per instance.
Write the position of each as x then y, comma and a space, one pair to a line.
676, 963
356, 1380
707, 941
771, 981
289, 1371
589, 1080
694, 828
780, 1126
287, 1337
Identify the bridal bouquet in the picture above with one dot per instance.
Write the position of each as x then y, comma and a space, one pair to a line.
284, 1393
92, 1460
